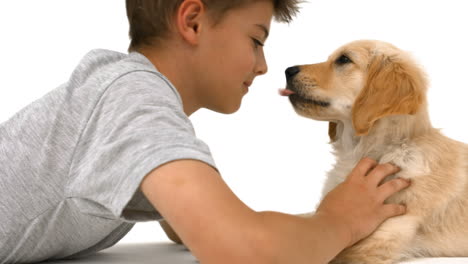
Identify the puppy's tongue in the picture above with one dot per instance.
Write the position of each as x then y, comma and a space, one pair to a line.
285, 92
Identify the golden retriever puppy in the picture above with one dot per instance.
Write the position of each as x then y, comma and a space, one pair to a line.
374, 97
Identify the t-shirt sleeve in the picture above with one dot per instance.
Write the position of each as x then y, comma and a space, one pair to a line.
137, 125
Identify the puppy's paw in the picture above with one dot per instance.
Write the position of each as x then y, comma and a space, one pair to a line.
337, 261
351, 261
354, 256
346, 261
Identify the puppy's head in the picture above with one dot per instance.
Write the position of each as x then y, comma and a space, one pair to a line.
362, 81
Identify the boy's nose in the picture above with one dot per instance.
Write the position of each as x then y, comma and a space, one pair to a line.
262, 67
291, 72
262, 70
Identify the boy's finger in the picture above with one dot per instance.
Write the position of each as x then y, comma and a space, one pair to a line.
376, 176
363, 167
391, 210
391, 187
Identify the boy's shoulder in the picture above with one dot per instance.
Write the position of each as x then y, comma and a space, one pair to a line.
102, 68
102, 61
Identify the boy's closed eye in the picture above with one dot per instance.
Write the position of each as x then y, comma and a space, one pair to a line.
257, 42
265, 31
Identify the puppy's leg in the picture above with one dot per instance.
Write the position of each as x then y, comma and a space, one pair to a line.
387, 245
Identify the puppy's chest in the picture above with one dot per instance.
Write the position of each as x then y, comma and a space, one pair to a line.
339, 173
342, 169
406, 156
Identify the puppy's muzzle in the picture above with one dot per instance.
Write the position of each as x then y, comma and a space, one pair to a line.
295, 94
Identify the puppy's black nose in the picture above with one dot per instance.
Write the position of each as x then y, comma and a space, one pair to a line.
291, 72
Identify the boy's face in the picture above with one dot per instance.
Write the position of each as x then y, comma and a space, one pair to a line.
231, 55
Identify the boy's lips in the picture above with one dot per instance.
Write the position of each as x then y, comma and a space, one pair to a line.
247, 84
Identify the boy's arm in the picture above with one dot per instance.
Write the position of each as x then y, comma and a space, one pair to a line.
170, 233
219, 228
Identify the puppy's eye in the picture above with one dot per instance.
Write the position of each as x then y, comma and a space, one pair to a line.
343, 59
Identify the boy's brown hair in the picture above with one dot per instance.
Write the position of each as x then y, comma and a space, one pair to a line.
149, 20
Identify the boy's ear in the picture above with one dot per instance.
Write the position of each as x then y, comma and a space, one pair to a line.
189, 20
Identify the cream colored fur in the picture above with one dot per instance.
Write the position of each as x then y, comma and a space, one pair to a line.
378, 109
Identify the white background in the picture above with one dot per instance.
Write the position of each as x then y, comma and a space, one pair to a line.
271, 158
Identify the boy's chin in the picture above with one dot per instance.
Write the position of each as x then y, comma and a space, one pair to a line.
226, 108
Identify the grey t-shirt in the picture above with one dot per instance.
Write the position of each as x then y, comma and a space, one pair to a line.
71, 162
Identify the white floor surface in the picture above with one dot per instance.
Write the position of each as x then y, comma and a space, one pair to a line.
139, 247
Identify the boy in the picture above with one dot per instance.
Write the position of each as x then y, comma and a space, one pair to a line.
114, 146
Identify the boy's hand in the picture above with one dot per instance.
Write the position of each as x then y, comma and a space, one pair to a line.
357, 204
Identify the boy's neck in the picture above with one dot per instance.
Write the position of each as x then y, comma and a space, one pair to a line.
175, 66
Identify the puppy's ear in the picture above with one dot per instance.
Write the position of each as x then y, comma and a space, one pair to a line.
332, 131
393, 87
